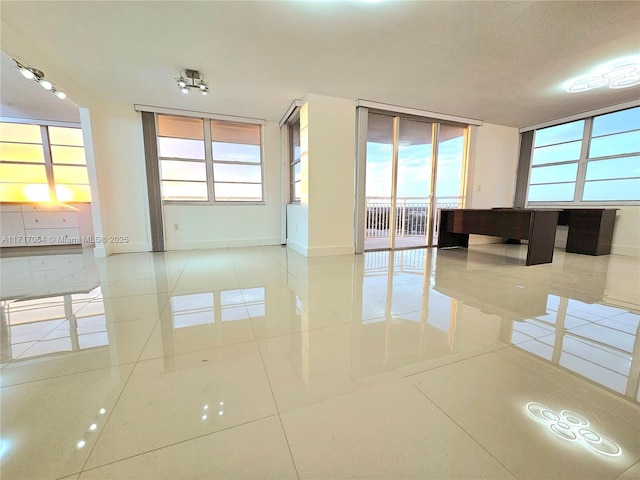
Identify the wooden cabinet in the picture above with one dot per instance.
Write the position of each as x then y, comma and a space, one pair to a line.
590, 230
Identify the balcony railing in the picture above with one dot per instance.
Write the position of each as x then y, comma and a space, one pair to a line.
411, 215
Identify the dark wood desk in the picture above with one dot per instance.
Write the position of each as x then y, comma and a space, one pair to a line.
538, 226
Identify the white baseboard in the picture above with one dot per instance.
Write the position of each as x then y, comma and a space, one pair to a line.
624, 250
127, 247
321, 251
484, 239
241, 242
330, 251
297, 247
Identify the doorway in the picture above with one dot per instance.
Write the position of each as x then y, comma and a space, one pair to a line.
413, 168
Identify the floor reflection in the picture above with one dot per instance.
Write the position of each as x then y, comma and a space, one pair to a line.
140, 353
64, 323
586, 335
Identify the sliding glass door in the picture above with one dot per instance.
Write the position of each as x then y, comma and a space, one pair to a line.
450, 179
413, 168
380, 158
413, 185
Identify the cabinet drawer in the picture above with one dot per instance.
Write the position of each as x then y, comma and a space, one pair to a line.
585, 244
50, 220
585, 224
37, 207
9, 208
52, 236
12, 229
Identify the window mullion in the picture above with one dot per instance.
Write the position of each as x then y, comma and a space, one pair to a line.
48, 162
208, 155
582, 163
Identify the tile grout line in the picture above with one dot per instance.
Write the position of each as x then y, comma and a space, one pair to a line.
464, 430
115, 404
637, 464
264, 367
171, 444
275, 403
106, 422
479, 354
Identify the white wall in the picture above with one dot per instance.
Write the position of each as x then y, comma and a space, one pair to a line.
298, 228
233, 225
332, 139
116, 132
626, 232
120, 171
322, 224
493, 160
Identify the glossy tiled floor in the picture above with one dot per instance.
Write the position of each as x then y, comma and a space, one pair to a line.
260, 363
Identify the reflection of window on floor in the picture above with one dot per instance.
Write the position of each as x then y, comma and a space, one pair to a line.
389, 291
191, 310
232, 306
225, 306
404, 261
54, 324
595, 341
254, 300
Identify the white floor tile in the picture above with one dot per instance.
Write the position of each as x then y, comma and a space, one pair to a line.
493, 410
407, 364
387, 431
309, 367
180, 397
254, 450
49, 427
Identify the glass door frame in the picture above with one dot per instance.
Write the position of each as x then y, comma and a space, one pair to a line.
362, 127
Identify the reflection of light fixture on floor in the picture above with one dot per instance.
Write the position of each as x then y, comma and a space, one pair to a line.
36, 75
573, 427
191, 79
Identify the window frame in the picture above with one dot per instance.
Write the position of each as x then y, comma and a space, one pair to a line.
291, 124
48, 162
582, 164
210, 162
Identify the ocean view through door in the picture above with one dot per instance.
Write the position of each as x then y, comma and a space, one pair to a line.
414, 167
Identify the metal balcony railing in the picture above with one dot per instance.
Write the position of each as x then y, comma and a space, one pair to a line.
411, 215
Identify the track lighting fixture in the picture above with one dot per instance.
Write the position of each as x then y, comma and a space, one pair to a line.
36, 75
192, 79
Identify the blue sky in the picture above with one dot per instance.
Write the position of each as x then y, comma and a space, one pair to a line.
414, 169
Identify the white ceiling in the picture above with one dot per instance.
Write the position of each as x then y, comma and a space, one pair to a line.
501, 62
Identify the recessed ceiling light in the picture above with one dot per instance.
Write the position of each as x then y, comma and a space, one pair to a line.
616, 74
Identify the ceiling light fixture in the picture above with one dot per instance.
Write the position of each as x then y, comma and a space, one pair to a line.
616, 74
36, 75
192, 79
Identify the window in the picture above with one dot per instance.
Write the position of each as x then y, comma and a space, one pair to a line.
596, 159
40, 163
209, 161
291, 130
294, 149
